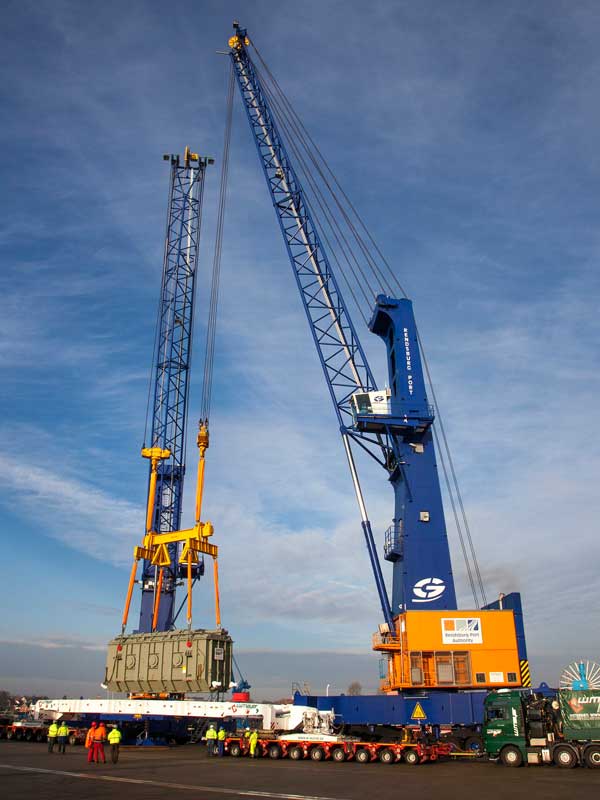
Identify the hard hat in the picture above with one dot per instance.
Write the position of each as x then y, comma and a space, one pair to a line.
93, 724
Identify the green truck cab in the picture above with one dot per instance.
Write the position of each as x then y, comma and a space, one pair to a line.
525, 727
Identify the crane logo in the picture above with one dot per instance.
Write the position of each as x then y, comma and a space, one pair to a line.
428, 589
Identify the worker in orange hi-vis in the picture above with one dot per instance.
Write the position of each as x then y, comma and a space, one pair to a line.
89, 742
99, 739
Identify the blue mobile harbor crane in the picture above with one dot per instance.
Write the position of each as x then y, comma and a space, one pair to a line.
393, 425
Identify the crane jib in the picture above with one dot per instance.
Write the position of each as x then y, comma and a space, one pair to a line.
393, 425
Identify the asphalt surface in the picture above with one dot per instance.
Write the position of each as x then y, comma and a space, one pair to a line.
28, 770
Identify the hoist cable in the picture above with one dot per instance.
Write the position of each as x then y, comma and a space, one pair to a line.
287, 127
289, 120
209, 356
298, 137
335, 180
327, 213
151, 379
446, 452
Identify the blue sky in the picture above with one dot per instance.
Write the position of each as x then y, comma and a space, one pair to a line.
466, 133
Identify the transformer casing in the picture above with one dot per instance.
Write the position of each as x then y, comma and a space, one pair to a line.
175, 662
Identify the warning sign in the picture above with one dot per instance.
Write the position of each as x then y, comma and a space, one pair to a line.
418, 712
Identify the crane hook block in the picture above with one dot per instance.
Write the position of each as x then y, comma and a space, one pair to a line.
155, 453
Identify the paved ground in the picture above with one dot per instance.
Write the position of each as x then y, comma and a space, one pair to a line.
27, 770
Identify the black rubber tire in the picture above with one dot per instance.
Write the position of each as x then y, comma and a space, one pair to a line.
72, 740
386, 756
10, 735
474, 744
565, 757
511, 756
411, 757
29, 736
296, 753
362, 756
317, 754
592, 757
39, 737
338, 754
235, 749
274, 751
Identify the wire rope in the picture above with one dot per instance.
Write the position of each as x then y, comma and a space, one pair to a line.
209, 356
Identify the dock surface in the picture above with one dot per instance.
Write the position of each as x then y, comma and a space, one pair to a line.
28, 770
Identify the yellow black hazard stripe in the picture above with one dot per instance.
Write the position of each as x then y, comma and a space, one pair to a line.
525, 674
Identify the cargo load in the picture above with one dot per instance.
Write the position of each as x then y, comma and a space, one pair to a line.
175, 662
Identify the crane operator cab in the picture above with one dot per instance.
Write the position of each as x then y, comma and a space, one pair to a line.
402, 408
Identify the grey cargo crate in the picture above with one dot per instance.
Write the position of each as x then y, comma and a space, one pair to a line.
173, 662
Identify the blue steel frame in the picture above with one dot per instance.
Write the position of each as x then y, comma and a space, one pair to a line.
422, 570
340, 352
172, 369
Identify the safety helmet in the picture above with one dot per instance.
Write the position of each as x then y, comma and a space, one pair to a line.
93, 724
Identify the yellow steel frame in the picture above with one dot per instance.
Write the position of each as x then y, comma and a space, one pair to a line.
194, 540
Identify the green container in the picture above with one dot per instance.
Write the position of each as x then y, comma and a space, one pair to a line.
176, 662
580, 712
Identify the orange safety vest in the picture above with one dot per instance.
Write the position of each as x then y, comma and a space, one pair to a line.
89, 737
100, 734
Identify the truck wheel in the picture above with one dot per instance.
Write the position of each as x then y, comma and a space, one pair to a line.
338, 754
317, 754
592, 757
565, 757
274, 751
386, 756
296, 753
72, 740
235, 750
511, 756
411, 757
39, 737
363, 756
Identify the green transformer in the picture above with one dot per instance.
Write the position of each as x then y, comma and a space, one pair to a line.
174, 662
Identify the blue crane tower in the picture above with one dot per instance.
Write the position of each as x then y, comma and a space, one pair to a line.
394, 425
170, 376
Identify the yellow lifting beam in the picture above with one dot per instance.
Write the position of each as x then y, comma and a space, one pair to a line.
194, 540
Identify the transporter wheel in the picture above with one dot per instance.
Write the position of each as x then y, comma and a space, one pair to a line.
317, 754
511, 756
592, 757
235, 750
10, 734
39, 737
274, 751
363, 756
72, 740
474, 744
565, 757
338, 754
386, 756
296, 753
29, 736
411, 757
